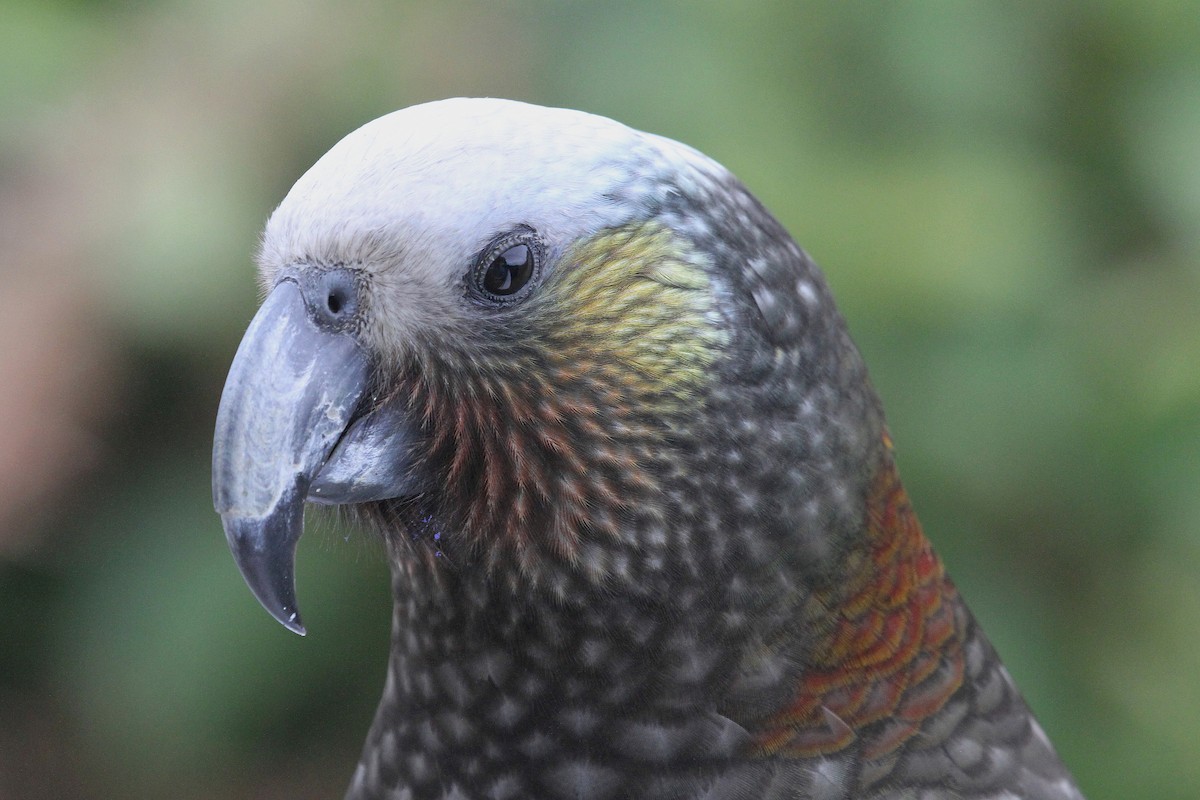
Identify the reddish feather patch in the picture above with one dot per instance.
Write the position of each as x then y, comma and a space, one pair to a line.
891, 657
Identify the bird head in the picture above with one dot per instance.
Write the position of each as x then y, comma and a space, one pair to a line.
633, 478
529, 342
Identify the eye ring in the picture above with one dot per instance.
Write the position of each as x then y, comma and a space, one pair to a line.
508, 269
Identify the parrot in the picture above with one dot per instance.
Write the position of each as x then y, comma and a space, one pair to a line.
646, 535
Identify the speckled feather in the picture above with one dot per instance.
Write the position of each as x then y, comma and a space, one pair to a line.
667, 554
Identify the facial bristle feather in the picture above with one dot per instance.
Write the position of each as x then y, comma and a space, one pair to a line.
543, 428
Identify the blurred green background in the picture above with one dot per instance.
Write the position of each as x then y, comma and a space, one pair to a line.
1005, 197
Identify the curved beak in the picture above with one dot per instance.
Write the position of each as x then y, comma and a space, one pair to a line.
289, 396
287, 432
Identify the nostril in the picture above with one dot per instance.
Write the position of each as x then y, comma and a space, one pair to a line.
332, 297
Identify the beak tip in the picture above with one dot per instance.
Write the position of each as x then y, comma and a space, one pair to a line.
277, 594
286, 614
267, 563
293, 624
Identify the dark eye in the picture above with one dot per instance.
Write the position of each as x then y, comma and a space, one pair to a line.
508, 267
509, 271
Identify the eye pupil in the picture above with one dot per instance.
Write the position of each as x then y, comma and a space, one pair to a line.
335, 302
509, 271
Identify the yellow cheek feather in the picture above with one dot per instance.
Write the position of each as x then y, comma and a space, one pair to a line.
634, 307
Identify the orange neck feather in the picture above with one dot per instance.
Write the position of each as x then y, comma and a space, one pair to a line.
889, 653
